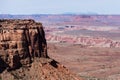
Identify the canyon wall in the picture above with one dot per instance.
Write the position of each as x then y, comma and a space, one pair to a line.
20, 42
23, 53
83, 40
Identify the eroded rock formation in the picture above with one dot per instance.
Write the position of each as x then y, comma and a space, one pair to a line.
84, 40
21, 41
23, 50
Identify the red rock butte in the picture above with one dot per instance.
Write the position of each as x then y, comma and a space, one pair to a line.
21, 39
23, 53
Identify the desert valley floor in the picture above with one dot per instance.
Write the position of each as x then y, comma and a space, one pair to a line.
101, 63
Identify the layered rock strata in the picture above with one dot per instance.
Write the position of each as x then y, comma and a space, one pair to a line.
20, 42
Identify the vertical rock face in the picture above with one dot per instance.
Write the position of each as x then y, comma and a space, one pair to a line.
20, 42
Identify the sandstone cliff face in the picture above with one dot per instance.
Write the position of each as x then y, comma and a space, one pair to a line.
23, 53
21, 41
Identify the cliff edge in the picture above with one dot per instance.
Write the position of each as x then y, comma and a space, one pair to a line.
23, 53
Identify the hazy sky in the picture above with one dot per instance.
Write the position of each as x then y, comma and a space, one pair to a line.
59, 6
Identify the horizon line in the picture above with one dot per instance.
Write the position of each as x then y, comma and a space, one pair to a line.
59, 14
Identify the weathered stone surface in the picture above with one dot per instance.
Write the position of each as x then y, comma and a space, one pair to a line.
41, 69
21, 41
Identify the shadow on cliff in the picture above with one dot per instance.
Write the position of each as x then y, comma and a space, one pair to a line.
54, 63
3, 65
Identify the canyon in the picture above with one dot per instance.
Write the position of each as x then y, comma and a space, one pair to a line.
88, 30
88, 45
23, 53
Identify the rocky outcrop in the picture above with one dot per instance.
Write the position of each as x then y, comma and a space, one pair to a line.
23, 51
41, 69
21, 41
